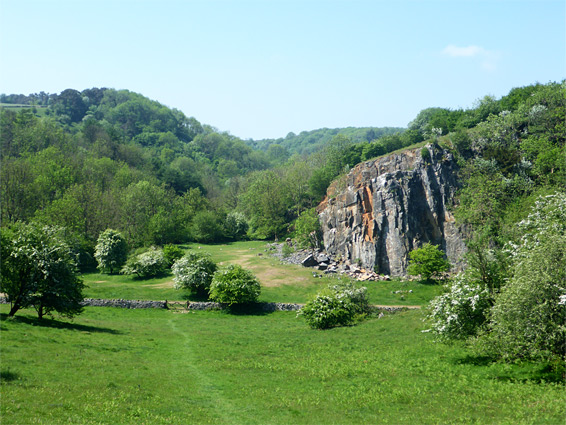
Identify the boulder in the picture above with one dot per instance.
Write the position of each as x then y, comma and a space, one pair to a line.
309, 261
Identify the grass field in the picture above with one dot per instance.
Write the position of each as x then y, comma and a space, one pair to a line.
119, 366
113, 366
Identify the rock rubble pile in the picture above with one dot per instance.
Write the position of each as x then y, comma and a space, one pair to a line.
321, 261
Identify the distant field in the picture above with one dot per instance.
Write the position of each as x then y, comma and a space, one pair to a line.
19, 106
280, 282
117, 366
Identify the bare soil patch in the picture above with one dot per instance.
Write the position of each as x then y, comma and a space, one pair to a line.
268, 275
168, 284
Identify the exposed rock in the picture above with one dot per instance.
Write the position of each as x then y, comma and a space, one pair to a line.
322, 258
309, 261
390, 206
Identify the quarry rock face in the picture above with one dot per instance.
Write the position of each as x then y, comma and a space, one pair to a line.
386, 207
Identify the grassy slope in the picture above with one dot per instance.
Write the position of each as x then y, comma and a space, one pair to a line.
154, 366
280, 282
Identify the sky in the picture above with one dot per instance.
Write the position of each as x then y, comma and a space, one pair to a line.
262, 69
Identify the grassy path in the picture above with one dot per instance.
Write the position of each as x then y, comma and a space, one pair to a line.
209, 394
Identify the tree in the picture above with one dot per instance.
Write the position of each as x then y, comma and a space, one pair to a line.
206, 227
427, 261
111, 251
39, 270
266, 202
234, 285
146, 207
70, 104
194, 272
308, 230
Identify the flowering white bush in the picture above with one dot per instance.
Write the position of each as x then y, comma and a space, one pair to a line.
194, 271
357, 296
339, 305
111, 251
547, 219
146, 265
461, 312
235, 225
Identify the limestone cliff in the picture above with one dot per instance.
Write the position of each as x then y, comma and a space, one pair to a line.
386, 207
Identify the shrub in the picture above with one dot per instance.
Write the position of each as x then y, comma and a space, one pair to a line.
528, 319
357, 296
194, 271
207, 227
146, 265
425, 155
338, 305
172, 253
287, 249
462, 311
427, 261
111, 251
234, 285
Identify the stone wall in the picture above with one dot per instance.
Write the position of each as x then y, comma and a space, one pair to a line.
132, 304
391, 205
92, 302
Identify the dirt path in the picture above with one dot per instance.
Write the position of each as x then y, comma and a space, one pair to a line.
266, 274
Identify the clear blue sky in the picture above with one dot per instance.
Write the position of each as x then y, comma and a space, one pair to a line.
261, 69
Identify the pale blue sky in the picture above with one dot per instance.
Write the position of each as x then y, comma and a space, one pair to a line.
264, 68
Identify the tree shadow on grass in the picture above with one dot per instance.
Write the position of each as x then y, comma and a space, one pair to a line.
9, 376
196, 297
253, 309
56, 324
524, 371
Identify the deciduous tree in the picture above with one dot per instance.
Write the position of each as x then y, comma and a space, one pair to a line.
39, 270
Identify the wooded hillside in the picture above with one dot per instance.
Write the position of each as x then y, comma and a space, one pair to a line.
104, 158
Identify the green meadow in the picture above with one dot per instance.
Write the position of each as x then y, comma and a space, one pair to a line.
119, 366
280, 282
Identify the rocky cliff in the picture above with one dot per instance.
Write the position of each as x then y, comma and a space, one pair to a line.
386, 207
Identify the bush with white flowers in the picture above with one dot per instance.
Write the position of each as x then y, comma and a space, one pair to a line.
462, 311
338, 305
194, 272
146, 265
